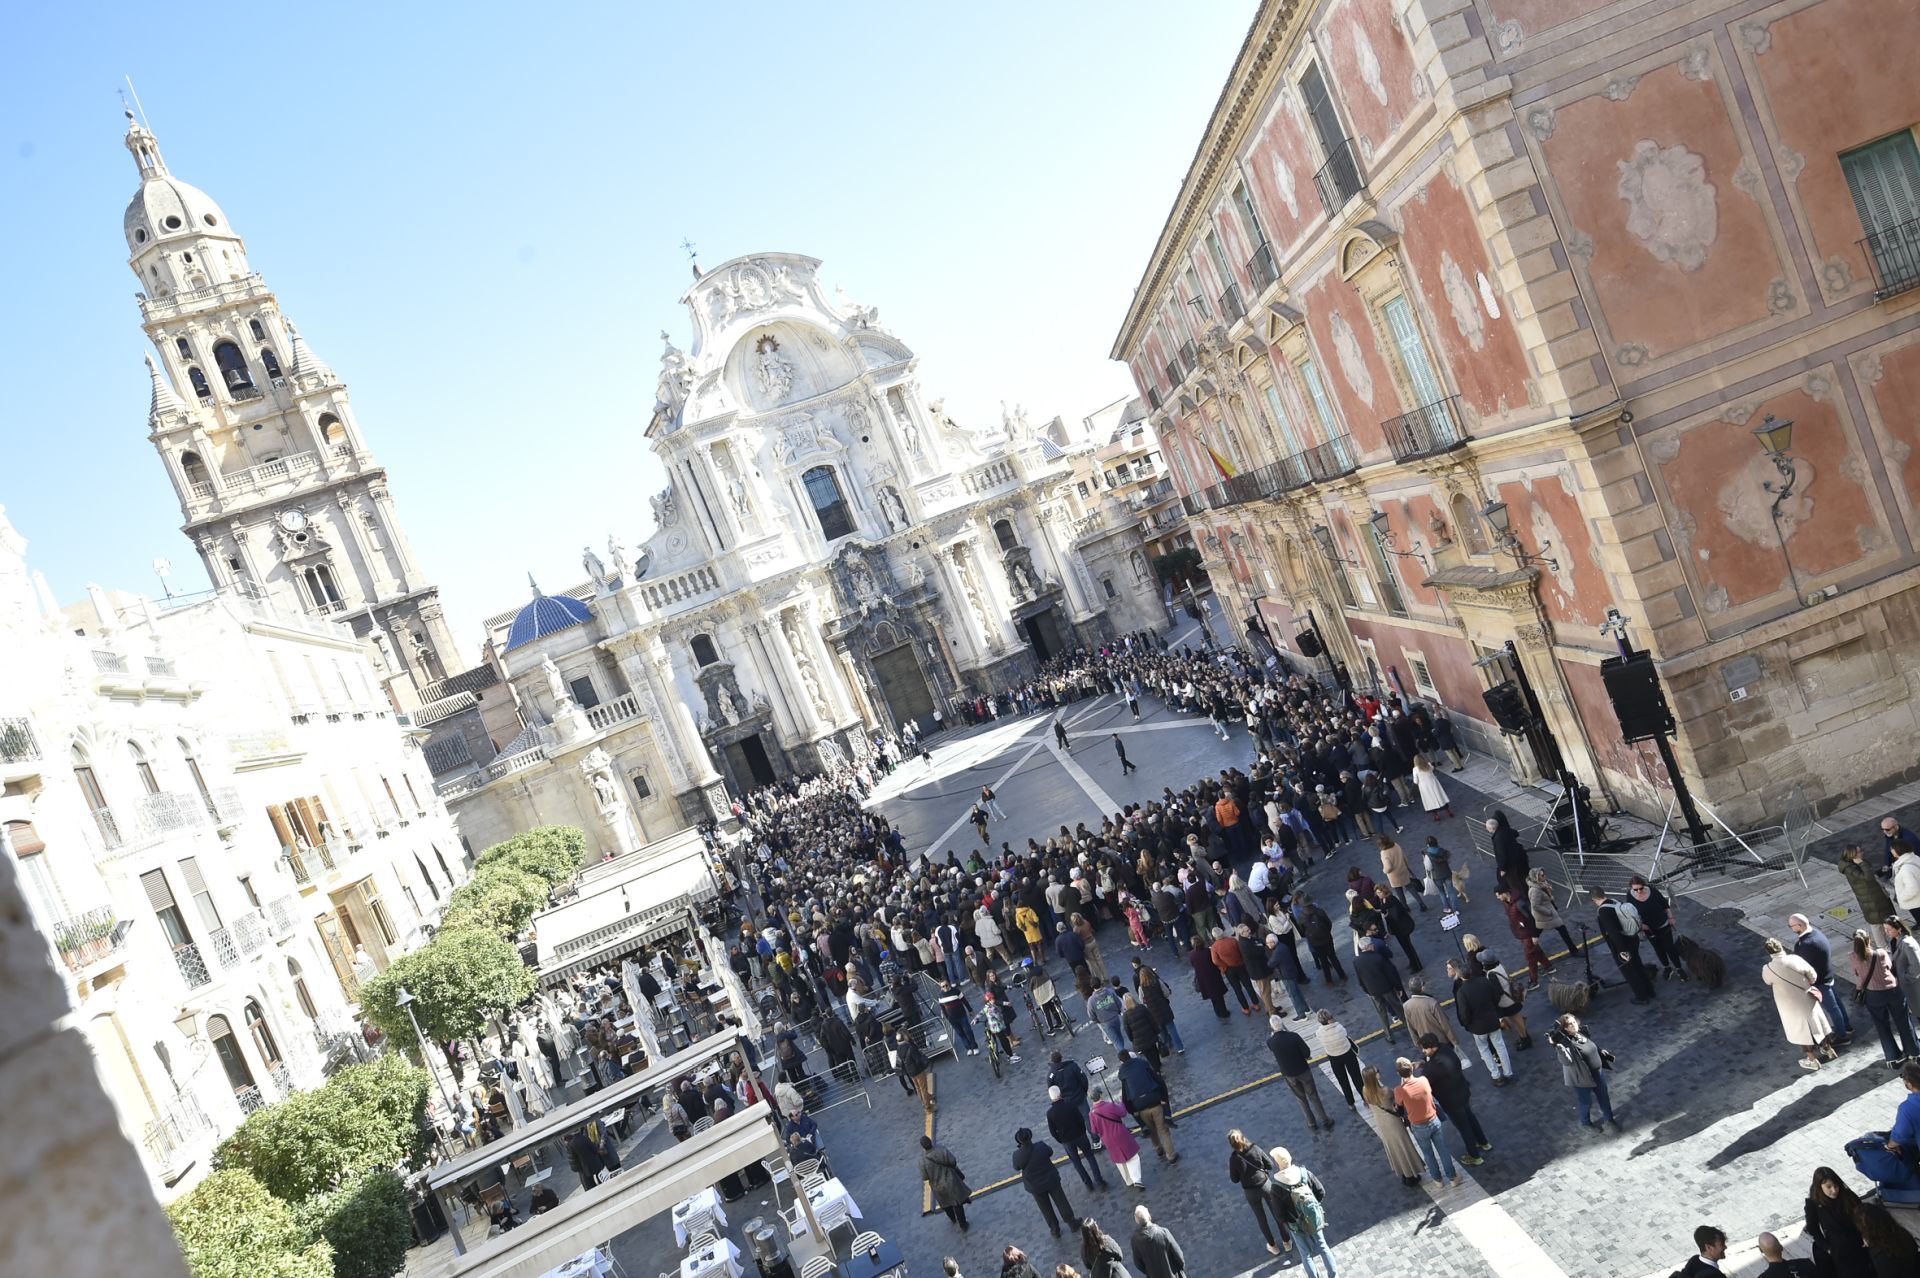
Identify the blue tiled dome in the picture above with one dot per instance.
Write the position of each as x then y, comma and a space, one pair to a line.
546, 615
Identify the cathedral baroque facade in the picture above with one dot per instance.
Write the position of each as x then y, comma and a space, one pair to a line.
834, 557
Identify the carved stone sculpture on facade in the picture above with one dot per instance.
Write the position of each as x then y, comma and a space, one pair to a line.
596, 570
894, 508
597, 767
772, 370
556, 684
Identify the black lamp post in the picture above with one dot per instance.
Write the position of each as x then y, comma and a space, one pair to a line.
1383, 537
1498, 519
1775, 437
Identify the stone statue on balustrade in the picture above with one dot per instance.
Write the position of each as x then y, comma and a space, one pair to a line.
597, 767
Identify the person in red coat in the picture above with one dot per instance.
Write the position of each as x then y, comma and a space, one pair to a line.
1108, 1123
1524, 932
1208, 983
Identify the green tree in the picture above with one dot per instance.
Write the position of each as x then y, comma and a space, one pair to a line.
551, 852
458, 980
499, 898
229, 1226
1179, 566
366, 1117
367, 1222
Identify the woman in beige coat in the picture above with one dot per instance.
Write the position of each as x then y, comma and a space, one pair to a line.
1546, 911
1399, 875
1384, 1113
1796, 997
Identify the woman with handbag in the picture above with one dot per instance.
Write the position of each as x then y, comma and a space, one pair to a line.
1796, 998
1250, 1167
1878, 989
1584, 1065
1389, 1124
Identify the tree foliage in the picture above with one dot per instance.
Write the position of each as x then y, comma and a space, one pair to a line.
1179, 566
367, 1222
229, 1226
366, 1117
458, 980
499, 898
551, 852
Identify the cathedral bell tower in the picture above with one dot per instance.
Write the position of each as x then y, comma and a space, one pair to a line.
279, 491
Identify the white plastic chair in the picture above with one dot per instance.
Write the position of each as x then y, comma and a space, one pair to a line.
864, 1241
819, 1267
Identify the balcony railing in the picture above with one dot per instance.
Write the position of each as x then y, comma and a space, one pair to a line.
106, 661
1191, 504
1339, 178
110, 840
1427, 430
193, 968
169, 1135
165, 814
283, 915
1261, 269
296, 859
282, 1078
250, 1098
1174, 375
160, 667
17, 742
1330, 460
1231, 307
250, 933
1153, 397
224, 949
85, 939
224, 806
608, 713
1894, 255
1189, 357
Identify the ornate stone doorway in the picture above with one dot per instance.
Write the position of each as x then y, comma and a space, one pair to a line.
748, 761
897, 671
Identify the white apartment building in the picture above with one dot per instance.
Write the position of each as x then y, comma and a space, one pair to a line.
222, 826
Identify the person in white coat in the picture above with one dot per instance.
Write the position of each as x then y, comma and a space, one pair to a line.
1796, 997
986, 929
1433, 791
1906, 879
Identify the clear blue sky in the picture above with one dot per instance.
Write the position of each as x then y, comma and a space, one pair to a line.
473, 213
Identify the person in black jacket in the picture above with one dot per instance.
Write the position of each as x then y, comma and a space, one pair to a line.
1399, 920
1451, 1092
1033, 1159
1476, 1002
1065, 1073
1295, 1059
1316, 925
1509, 858
1068, 1125
1144, 1093
1380, 980
1620, 927
1249, 1167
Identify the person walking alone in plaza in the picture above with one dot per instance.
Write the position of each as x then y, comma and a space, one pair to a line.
1120, 748
1156, 1252
993, 804
1060, 732
1584, 1066
1386, 1115
1249, 1167
1033, 1159
947, 1183
1433, 791
1295, 1059
1796, 998
1414, 1096
1879, 990
1301, 1201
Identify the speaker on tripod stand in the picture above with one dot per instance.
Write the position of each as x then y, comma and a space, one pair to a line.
1508, 706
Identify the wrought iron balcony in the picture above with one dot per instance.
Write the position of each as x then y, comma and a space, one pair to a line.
193, 968
224, 948
223, 805
1894, 255
170, 1135
1339, 178
1191, 504
250, 1098
250, 933
1189, 357
160, 667
1153, 397
17, 742
1262, 270
1331, 460
106, 661
1231, 307
282, 1078
1427, 430
296, 862
1174, 375
85, 939
110, 840
283, 914
1293, 472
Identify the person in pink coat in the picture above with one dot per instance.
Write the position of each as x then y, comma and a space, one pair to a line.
1108, 1123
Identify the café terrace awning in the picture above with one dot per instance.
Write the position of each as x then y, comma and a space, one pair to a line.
624, 904
639, 1192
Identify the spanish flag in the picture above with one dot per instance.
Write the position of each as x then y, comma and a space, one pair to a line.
1220, 463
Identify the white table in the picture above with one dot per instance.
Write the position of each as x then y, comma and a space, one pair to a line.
704, 1203
711, 1262
539, 1176
588, 1264
832, 1191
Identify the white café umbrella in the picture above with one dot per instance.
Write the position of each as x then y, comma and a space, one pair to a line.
730, 981
531, 1065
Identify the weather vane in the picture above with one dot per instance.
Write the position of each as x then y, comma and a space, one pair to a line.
688, 246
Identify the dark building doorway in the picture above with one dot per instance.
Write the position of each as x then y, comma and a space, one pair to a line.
1042, 635
750, 762
897, 671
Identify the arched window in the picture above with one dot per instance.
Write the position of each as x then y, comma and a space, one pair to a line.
703, 650
1003, 531
233, 367
95, 797
193, 468
1467, 527
332, 433
425, 877
320, 588
268, 362
301, 994
180, 344
227, 1048
199, 380
262, 1033
829, 506
142, 768
443, 864
199, 778
259, 333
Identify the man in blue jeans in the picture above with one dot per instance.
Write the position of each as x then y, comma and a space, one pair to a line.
1811, 944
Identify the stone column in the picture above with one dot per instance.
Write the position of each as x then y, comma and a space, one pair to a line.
773, 679
785, 639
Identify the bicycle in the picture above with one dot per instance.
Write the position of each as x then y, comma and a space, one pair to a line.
993, 1051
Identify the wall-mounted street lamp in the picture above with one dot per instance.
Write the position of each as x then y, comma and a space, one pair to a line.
1383, 537
1501, 522
1323, 537
1775, 437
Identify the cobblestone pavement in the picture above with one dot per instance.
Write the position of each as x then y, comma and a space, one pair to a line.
1720, 1123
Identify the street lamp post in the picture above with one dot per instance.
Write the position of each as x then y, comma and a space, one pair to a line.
1775, 437
405, 1000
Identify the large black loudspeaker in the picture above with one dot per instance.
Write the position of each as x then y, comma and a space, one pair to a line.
1508, 706
1308, 643
1634, 687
